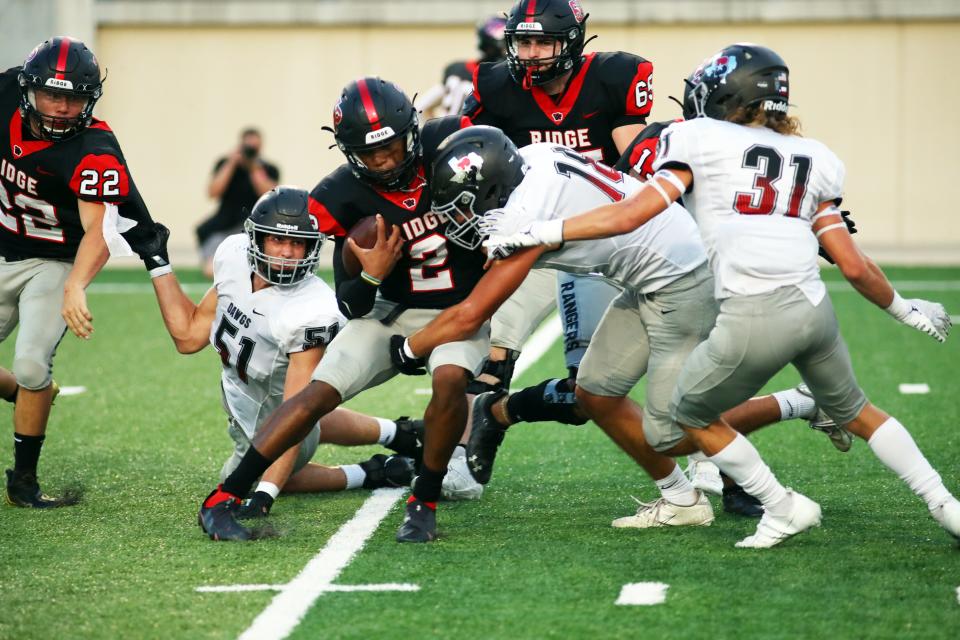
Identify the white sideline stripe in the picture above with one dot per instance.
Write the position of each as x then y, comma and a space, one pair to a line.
643, 593
422, 391
955, 319
958, 595
123, 288
538, 344
914, 389
72, 391
235, 588
288, 607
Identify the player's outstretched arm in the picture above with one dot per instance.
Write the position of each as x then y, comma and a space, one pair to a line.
187, 322
870, 281
464, 319
92, 254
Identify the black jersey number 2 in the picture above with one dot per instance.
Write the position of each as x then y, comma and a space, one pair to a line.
246, 348
763, 199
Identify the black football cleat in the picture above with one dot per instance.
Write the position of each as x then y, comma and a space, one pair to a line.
739, 502
387, 471
419, 522
408, 440
485, 437
23, 490
219, 520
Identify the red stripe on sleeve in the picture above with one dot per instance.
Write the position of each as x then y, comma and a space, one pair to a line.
100, 178
326, 223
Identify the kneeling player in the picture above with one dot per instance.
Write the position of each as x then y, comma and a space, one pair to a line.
270, 319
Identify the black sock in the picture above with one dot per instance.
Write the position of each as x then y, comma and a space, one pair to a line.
26, 453
251, 467
12, 398
550, 401
426, 486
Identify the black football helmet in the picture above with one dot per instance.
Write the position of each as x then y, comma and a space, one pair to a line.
490, 38
371, 113
741, 75
475, 170
563, 20
282, 211
60, 65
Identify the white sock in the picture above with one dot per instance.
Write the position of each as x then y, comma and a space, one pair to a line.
388, 429
269, 488
794, 404
893, 444
741, 461
676, 488
355, 475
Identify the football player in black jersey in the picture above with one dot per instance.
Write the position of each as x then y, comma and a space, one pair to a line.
548, 90
447, 97
407, 278
61, 169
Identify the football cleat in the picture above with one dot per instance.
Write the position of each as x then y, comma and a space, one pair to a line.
23, 490
459, 483
772, 530
387, 471
408, 440
840, 437
661, 513
419, 522
219, 519
948, 515
740, 503
705, 476
485, 436
55, 391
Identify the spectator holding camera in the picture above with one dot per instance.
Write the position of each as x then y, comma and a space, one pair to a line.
238, 180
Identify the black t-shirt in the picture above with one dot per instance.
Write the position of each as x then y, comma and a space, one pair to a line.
608, 90
432, 273
239, 196
41, 181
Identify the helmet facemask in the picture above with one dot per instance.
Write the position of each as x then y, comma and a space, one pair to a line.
463, 222
540, 71
281, 271
55, 128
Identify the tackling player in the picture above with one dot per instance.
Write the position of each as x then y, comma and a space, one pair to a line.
270, 319
666, 308
407, 278
763, 197
61, 169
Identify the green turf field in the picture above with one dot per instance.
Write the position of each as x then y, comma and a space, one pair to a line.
535, 557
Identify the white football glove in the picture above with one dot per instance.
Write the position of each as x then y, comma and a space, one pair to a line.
532, 234
929, 317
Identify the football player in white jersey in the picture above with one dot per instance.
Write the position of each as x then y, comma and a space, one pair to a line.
666, 308
763, 197
270, 319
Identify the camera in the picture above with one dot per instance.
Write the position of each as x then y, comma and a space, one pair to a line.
249, 152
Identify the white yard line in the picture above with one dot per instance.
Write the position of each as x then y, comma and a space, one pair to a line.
914, 388
72, 391
643, 593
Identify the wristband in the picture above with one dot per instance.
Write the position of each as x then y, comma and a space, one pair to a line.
269, 488
369, 279
899, 308
162, 270
552, 232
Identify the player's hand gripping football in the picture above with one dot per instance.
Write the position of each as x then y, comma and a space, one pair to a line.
503, 233
929, 317
403, 360
379, 260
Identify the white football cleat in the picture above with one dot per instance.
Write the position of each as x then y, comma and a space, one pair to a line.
840, 437
661, 513
459, 483
772, 530
948, 515
705, 476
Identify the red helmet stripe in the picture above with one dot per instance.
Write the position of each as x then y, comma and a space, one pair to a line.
372, 116
62, 58
531, 11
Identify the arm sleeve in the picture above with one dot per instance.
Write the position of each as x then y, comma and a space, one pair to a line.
355, 296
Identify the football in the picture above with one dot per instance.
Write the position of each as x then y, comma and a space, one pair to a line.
364, 233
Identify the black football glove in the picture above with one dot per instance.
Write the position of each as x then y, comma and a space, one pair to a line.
153, 250
407, 365
257, 506
851, 229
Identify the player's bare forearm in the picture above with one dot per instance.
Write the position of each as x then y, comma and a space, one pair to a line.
92, 252
187, 322
623, 135
860, 271
623, 216
464, 319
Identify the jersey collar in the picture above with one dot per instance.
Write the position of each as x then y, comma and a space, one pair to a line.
557, 112
408, 199
20, 147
